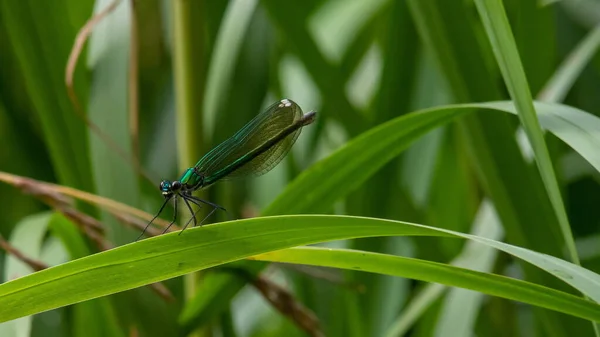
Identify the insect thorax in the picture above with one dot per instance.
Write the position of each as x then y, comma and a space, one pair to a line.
191, 179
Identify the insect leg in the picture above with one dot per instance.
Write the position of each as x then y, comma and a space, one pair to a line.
156, 216
174, 215
191, 211
215, 206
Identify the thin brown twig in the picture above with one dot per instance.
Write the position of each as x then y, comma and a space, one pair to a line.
282, 300
133, 331
80, 40
90, 226
60, 203
162, 291
322, 273
32, 263
52, 196
105, 203
286, 304
87, 224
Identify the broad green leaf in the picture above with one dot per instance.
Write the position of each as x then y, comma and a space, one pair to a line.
172, 255
316, 189
461, 307
433, 272
90, 318
454, 35
474, 256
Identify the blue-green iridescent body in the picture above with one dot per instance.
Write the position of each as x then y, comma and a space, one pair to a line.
254, 150
189, 177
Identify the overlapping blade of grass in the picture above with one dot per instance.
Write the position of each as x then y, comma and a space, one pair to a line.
241, 97
431, 272
327, 77
535, 29
91, 318
355, 162
225, 53
563, 79
335, 25
474, 256
316, 189
500, 36
502, 41
452, 34
172, 255
461, 308
25, 148
380, 195
108, 61
41, 35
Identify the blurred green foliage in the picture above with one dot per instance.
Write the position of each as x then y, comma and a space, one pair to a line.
204, 68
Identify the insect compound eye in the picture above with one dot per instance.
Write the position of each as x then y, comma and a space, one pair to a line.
164, 186
176, 185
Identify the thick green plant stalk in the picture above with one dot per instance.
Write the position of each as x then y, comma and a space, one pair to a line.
189, 64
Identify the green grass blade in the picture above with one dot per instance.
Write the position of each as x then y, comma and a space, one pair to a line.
91, 318
460, 308
189, 67
17, 158
189, 73
108, 56
453, 35
337, 23
507, 56
355, 163
327, 77
41, 36
225, 54
474, 256
315, 190
172, 255
28, 236
563, 79
439, 273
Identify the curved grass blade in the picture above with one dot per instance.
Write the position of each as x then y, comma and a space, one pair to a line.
172, 255
501, 38
316, 189
429, 271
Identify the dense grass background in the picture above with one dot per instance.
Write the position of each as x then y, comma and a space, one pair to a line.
164, 81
